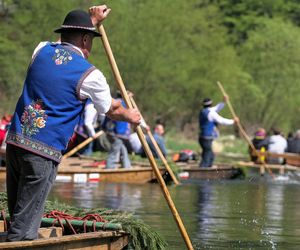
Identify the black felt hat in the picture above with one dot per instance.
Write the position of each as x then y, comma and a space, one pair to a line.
77, 20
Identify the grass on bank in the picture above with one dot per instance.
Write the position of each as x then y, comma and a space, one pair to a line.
224, 144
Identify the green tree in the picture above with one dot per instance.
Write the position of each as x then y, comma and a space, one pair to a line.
270, 56
171, 60
172, 53
23, 25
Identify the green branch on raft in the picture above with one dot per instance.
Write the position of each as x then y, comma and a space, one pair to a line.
142, 236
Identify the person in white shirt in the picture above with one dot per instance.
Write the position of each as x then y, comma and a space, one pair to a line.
278, 145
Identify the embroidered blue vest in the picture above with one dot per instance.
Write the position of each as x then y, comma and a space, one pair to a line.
50, 106
206, 126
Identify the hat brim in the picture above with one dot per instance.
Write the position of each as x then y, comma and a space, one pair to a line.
62, 30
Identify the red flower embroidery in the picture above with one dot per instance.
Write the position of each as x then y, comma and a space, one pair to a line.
38, 106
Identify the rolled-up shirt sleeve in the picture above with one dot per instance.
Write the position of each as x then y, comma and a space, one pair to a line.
96, 88
90, 115
40, 45
214, 116
219, 107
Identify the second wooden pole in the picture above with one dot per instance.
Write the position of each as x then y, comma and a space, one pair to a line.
141, 136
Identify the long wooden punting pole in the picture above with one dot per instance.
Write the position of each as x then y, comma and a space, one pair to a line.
157, 148
243, 132
141, 136
81, 145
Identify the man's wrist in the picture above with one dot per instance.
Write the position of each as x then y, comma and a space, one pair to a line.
95, 22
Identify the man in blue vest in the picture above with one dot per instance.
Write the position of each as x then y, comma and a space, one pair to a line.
208, 120
59, 80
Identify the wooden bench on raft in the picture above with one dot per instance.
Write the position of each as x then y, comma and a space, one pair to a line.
290, 158
292, 162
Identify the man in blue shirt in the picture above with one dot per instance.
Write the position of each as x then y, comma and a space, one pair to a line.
158, 136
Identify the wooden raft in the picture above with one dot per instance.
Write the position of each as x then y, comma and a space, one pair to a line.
78, 170
217, 172
281, 168
85, 241
52, 239
290, 158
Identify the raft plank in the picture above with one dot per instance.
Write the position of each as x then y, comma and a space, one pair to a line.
46, 233
132, 175
271, 166
85, 241
1, 226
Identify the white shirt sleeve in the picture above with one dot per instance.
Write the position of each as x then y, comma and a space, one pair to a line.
96, 88
285, 144
215, 117
90, 115
40, 45
218, 107
143, 123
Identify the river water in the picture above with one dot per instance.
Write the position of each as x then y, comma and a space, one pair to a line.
255, 213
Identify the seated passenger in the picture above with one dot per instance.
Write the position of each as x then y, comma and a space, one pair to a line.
278, 145
158, 136
260, 142
294, 143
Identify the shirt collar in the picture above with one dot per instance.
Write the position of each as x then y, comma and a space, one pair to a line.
75, 47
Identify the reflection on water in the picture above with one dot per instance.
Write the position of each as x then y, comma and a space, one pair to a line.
217, 214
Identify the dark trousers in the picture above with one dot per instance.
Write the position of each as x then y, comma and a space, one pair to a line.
29, 179
207, 152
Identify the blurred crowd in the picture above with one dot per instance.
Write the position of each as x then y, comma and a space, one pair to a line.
274, 142
118, 140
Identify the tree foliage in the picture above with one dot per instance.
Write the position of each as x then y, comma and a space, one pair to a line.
271, 57
172, 53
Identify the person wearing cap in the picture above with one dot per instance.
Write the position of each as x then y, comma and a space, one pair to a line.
260, 142
208, 120
59, 80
